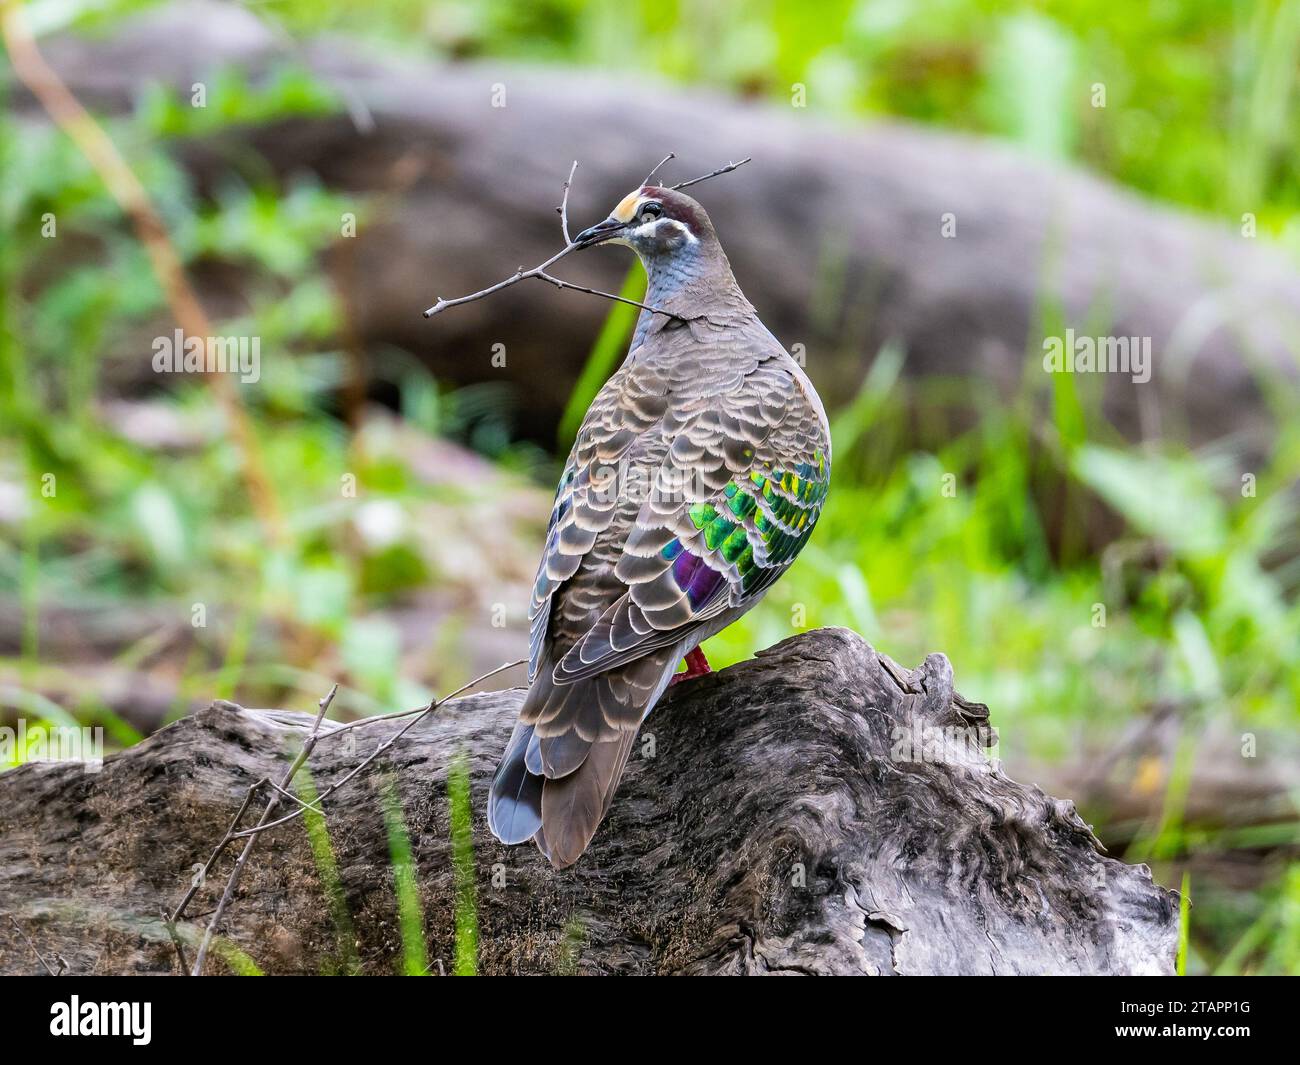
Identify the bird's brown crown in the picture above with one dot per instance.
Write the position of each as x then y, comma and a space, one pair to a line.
676, 205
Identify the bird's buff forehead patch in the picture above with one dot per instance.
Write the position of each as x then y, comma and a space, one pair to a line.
625, 210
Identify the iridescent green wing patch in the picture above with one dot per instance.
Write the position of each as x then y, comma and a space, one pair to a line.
788, 503
758, 526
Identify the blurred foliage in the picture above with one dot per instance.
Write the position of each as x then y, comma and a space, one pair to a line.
1200, 615
1200, 96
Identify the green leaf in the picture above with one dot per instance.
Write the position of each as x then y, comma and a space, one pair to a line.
1170, 499
158, 520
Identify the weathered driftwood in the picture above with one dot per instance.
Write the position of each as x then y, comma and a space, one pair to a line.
836, 232
773, 820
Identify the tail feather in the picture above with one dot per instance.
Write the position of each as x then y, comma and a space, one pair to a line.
515, 799
533, 755
574, 806
566, 719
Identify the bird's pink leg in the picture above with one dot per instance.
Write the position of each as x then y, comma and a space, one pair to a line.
696, 666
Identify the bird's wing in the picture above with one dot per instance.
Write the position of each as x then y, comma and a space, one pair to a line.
586, 502
734, 500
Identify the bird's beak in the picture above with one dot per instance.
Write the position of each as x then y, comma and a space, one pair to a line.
599, 233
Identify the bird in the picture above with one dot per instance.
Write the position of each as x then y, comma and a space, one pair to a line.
697, 476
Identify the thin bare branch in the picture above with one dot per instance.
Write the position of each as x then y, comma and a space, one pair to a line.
519, 275
716, 173
271, 804
280, 790
650, 176
201, 877
564, 204
559, 283
396, 715
174, 936
540, 273
39, 956
284, 793
422, 713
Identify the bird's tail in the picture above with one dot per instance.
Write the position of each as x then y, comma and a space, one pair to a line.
574, 806
567, 754
515, 799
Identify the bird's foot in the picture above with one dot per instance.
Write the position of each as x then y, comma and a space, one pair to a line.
696, 666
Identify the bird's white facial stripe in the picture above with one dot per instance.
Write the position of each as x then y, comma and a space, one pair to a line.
629, 212
662, 227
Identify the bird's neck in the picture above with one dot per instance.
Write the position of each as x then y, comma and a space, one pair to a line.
693, 282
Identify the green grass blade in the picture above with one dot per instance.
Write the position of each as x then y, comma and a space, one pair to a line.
240, 963
1184, 922
323, 853
410, 911
570, 947
462, 856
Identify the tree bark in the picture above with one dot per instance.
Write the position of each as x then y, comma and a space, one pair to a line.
819, 809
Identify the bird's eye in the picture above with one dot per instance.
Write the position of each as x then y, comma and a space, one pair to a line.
650, 211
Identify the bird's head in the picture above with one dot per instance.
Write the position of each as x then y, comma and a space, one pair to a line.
657, 223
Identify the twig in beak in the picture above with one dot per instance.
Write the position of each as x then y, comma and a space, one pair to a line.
564, 205
541, 273
721, 170
658, 165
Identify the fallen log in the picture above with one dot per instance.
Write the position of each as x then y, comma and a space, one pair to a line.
819, 809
